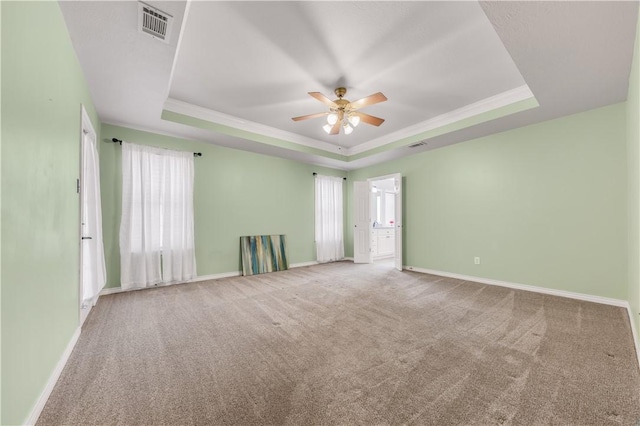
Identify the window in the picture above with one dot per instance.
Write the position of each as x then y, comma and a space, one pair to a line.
329, 219
156, 229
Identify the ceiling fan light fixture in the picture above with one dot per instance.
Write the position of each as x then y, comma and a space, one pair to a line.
343, 113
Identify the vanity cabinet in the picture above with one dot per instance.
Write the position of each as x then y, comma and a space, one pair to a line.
383, 242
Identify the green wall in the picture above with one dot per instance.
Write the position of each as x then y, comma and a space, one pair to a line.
633, 190
547, 205
42, 89
543, 205
0, 221
235, 193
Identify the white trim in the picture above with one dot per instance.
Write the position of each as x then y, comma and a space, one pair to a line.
525, 287
485, 105
385, 177
180, 107
110, 290
634, 332
316, 160
213, 277
113, 290
348, 258
303, 264
85, 119
53, 379
384, 256
173, 134
178, 45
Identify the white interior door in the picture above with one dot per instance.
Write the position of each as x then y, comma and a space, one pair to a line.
361, 223
92, 267
84, 234
398, 220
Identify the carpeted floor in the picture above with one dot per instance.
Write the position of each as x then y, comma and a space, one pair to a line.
348, 344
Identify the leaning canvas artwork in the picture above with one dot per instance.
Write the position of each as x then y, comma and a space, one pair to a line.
263, 253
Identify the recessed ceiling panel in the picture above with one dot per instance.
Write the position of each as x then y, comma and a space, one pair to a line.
257, 60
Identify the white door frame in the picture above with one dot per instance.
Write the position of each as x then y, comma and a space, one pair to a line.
398, 224
85, 128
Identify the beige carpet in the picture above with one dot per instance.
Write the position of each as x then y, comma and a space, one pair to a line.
348, 344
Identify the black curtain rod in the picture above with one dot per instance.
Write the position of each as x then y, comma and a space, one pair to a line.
114, 140
315, 174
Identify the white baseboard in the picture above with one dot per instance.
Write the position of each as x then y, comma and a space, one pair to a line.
634, 331
544, 290
113, 290
303, 264
110, 290
213, 277
44, 396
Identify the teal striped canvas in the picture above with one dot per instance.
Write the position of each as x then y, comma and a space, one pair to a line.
263, 253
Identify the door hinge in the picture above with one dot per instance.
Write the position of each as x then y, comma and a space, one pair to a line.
77, 186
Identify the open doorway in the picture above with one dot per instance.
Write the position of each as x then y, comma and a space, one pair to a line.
378, 220
383, 215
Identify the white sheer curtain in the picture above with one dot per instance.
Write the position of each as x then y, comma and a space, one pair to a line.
329, 227
156, 230
94, 274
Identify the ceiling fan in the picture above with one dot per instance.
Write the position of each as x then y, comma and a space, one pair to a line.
343, 112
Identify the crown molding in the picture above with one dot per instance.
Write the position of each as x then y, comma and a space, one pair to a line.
153, 130
485, 105
202, 113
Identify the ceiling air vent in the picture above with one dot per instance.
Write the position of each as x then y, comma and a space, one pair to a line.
154, 22
415, 145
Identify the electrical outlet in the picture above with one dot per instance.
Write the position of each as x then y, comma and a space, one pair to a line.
476, 260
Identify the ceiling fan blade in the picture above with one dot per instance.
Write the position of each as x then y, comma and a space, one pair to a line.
336, 127
306, 117
369, 119
369, 100
322, 98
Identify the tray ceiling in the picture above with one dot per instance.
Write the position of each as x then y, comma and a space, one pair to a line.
234, 73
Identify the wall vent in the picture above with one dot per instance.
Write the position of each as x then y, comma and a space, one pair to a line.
154, 22
415, 145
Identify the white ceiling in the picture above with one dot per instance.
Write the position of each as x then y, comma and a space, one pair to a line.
248, 66
263, 57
